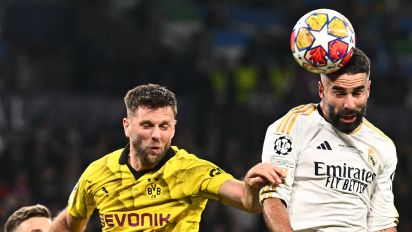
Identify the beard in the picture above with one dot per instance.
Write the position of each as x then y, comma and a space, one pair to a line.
147, 158
345, 127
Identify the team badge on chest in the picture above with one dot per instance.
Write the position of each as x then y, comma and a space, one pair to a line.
372, 161
153, 189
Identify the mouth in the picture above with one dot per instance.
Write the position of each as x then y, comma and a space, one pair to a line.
346, 119
154, 149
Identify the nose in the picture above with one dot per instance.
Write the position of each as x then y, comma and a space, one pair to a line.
156, 133
349, 102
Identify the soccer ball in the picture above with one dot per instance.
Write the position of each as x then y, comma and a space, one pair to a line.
322, 41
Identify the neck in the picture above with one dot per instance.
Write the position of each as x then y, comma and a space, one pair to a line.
323, 110
135, 161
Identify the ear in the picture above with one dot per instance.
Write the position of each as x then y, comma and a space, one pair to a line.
174, 128
126, 127
368, 88
321, 89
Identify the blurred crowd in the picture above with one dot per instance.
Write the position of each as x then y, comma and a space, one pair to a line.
66, 65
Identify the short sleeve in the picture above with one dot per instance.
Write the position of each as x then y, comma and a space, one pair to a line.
81, 203
280, 150
382, 212
197, 177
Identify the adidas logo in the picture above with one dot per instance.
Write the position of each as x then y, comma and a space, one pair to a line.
324, 146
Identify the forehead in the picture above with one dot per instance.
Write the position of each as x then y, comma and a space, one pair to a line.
144, 112
34, 224
349, 81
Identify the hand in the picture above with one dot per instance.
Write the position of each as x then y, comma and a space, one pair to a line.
264, 173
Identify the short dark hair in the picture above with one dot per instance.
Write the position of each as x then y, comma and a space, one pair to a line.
359, 63
150, 95
24, 213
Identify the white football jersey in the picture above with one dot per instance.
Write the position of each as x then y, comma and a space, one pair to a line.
335, 181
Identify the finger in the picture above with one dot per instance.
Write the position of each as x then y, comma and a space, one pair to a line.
281, 171
267, 173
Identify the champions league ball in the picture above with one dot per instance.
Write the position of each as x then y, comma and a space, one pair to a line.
322, 41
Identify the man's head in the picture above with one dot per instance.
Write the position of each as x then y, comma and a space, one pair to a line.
345, 93
34, 218
150, 122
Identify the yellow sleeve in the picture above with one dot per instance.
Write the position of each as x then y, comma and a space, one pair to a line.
81, 203
204, 178
210, 186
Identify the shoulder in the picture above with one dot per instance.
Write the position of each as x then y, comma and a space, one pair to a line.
285, 124
375, 133
108, 162
380, 143
189, 164
186, 159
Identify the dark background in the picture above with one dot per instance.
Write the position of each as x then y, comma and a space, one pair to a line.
65, 66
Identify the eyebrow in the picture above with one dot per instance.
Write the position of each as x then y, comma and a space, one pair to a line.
339, 88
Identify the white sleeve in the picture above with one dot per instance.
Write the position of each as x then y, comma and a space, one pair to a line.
279, 149
382, 212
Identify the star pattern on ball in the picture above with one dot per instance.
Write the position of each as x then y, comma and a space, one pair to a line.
322, 38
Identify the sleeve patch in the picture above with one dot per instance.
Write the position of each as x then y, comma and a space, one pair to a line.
283, 145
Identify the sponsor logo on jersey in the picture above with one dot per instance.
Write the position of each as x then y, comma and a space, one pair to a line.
324, 146
214, 172
350, 148
134, 219
344, 177
283, 145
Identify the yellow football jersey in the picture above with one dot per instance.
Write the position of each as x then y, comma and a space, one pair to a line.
169, 197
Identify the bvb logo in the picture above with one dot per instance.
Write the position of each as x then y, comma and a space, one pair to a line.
153, 191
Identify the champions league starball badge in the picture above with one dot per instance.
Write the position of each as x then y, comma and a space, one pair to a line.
283, 145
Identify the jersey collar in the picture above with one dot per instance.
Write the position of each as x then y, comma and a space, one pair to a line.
124, 157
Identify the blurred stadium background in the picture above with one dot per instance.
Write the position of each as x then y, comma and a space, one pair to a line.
66, 65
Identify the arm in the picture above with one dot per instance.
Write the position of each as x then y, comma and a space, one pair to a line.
393, 229
382, 215
245, 194
276, 216
64, 222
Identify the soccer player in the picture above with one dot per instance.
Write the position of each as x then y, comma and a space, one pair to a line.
35, 218
152, 186
339, 166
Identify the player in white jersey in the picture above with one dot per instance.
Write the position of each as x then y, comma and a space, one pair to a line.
340, 167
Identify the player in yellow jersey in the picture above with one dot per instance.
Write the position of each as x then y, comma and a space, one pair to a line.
152, 186
340, 167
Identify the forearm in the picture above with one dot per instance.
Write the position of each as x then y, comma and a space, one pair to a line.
275, 215
60, 223
66, 223
250, 199
392, 229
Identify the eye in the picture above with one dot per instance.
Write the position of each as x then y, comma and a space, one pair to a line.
165, 126
357, 92
146, 125
340, 94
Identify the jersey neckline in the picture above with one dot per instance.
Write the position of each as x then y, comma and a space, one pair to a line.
124, 157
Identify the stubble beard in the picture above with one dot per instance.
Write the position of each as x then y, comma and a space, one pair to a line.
148, 159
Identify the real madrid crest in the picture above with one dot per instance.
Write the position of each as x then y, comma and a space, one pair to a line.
372, 161
283, 145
